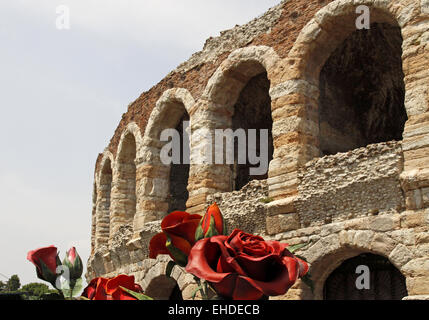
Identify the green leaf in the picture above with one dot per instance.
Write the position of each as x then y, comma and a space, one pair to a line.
296, 247
169, 268
179, 257
139, 296
194, 293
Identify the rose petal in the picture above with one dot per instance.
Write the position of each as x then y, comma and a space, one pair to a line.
202, 257
157, 245
119, 281
47, 254
244, 290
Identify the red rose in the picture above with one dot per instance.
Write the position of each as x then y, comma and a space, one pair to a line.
110, 289
245, 267
46, 261
96, 290
177, 237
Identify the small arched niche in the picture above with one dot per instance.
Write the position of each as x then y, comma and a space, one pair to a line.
179, 172
252, 111
104, 204
362, 91
125, 185
384, 280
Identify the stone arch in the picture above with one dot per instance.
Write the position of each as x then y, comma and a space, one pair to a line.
297, 97
380, 278
215, 110
125, 182
224, 87
330, 252
157, 284
103, 205
330, 27
171, 110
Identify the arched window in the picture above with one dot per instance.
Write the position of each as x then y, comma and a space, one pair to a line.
103, 204
179, 173
252, 111
124, 195
385, 282
362, 91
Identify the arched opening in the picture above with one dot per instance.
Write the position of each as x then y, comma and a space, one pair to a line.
384, 280
94, 218
163, 288
179, 173
252, 111
125, 184
362, 91
103, 206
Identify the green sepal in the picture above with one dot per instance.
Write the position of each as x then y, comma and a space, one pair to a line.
169, 268
76, 269
212, 230
199, 233
46, 274
179, 257
139, 296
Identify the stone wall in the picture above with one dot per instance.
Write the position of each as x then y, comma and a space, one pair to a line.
344, 186
372, 199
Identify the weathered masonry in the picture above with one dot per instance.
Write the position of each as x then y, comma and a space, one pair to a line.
348, 115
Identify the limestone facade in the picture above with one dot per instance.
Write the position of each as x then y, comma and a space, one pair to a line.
348, 179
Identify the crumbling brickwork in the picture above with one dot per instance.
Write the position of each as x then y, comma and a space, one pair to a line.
348, 115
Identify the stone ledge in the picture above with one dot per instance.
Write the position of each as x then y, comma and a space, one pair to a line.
421, 297
281, 206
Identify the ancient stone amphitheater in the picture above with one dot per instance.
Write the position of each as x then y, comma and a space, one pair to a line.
348, 116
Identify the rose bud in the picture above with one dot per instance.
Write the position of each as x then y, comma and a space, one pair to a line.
212, 224
177, 237
74, 263
46, 261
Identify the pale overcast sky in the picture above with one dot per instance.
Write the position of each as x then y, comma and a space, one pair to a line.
62, 94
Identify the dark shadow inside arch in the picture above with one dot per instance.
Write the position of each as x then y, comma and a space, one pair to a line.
179, 174
385, 281
252, 111
362, 91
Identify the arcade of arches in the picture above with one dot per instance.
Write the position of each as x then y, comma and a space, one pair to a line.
348, 115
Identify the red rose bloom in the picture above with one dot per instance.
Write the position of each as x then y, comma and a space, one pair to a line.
110, 289
46, 261
245, 267
177, 238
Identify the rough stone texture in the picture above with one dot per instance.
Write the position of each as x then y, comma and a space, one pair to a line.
328, 93
244, 209
365, 181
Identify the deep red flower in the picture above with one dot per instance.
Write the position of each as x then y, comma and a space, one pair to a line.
177, 237
245, 267
46, 261
110, 289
